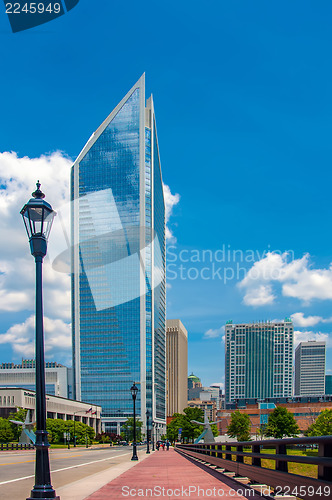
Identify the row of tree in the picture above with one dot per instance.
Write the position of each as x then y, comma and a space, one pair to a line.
281, 423
55, 427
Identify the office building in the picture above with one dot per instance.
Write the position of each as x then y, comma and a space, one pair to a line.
194, 381
310, 368
258, 360
118, 265
58, 377
206, 394
328, 385
209, 407
14, 398
176, 366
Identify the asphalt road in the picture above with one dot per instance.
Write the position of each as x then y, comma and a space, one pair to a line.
67, 466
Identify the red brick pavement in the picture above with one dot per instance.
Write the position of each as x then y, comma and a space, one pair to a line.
168, 470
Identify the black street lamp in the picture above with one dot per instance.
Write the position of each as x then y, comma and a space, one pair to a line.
153, 424
147, 431
38, 218
75, 413
134, 390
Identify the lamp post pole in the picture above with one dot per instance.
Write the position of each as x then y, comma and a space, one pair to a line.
147, 432
134, 390
153, 424
38, 217
75, 428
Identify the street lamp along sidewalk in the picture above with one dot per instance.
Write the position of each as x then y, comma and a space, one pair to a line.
38, 217
134, 391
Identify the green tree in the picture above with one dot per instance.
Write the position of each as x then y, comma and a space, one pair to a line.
56, 428
190, 430
19, 415
322, 425
6, 431
178, 422
128, 429
103, 437
239, 426
281, 422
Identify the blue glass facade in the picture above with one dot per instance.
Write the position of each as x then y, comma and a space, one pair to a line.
160, 289
118, 207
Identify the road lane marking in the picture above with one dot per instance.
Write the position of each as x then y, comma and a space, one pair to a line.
26, 461
65, 468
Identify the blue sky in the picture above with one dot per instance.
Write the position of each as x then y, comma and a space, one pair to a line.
242, 93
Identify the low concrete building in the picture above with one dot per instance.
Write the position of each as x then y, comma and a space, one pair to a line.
13, 398
58, 378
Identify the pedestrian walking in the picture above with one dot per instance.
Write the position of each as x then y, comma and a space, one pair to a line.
158, 445
163, 446
167, 445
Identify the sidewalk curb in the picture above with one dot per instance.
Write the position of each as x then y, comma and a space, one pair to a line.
79, 490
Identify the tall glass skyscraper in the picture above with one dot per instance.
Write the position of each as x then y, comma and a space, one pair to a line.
258, 360
118, 265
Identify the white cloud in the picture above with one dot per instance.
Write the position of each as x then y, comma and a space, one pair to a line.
214, 333
22, 338
260, 296
308, 335
219, 384
18, 178
170, 201
299, 319
296, 277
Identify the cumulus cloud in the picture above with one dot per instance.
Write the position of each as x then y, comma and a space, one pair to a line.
299, 319
18, 178
214, 333
170, 201
296, 277
259, 296
22, 338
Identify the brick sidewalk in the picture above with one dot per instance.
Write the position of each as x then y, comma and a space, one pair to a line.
174, 473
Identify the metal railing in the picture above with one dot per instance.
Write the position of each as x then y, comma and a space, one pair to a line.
15, 446
283, 482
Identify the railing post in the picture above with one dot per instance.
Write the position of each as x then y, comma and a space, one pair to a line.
255, 460
228, 455
325, 450
239, 458
281, 465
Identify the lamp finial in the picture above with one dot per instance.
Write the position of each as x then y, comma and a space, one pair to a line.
38, 193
